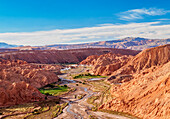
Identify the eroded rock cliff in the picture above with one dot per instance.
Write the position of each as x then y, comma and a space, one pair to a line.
147, 94
107, 63
19, 81
61, 56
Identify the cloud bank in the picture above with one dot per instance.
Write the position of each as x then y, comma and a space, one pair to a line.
139, 13
88, 34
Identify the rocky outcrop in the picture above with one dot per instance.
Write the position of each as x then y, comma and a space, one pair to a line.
135, 43
36, 76
61, 56
147, 94
18, 93
107, 63
19, 81
146, 59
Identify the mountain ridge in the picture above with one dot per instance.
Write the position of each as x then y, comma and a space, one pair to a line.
6, 45
133, 43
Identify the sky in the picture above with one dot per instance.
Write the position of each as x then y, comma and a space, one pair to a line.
45, 22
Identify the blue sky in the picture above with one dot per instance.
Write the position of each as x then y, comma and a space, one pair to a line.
42, 22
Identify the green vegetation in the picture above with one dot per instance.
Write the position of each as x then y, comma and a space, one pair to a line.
100, 98
92, 99
53, 90
88, 76
92, 117
99, 86
94, 108
80, 96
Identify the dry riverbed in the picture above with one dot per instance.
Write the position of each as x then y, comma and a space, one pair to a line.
80, 108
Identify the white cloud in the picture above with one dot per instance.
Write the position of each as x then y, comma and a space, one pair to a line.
164, 19
98, 33
139, 13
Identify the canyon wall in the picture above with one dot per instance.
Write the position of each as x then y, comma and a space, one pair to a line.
147, 94
61, 56
19, 81
107, 63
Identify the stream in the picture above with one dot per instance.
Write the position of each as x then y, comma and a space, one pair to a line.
79, 108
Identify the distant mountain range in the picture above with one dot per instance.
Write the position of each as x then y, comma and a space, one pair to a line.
134, 43
5, 45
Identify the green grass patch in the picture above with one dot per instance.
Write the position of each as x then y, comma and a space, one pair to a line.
87, 76
91, 99
54, 91
92, 117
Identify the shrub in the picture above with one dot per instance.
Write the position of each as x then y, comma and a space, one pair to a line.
59, 79
50, 85
94, 109
65, 85
36, 112
48, 94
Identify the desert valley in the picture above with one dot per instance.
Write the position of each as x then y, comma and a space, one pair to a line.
84, 59
95, 83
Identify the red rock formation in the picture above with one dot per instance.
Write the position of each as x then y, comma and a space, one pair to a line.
90, 60
16, 71
61, 56
107, 63
148, 58
135, 43
18, 93
147, 95
19, 81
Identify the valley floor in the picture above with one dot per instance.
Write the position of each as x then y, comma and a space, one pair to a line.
79, 108
80, 102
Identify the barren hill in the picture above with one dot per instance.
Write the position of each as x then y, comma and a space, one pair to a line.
61, 56
19, 81
18, 93
107, 63
146, 59
147, 94
135, 43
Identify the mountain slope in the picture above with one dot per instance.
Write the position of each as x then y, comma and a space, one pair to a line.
146, 59
5, 45
19, 81
61, 56
107, 63
147, 94
135, 43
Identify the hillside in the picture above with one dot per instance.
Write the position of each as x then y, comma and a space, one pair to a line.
134, 43
5, 45
146, 95
61, 56
107, 63
19, 81
146, 59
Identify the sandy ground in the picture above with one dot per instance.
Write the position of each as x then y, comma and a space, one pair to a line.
79, 108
